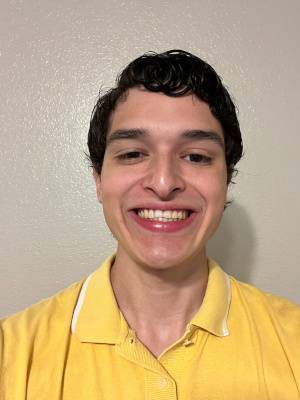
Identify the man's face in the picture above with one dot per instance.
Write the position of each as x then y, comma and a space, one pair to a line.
164, 181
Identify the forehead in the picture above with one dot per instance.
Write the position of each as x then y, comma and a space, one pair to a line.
157, 112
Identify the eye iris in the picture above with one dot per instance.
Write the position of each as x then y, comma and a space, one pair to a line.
196, 157
131, 154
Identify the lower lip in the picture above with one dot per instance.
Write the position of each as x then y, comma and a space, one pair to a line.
159, 226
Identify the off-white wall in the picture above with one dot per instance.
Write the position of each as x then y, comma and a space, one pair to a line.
56, 54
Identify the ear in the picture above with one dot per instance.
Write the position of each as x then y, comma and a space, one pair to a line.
97, 179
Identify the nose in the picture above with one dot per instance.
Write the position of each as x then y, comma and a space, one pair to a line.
164, 178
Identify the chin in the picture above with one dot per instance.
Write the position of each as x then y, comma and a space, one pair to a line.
160, 259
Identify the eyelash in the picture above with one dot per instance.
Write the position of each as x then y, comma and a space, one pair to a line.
126, 156
202, 159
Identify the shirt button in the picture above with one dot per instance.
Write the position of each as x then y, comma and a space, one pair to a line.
162, 382
188, 342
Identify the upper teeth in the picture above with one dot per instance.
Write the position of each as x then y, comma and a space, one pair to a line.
163, 215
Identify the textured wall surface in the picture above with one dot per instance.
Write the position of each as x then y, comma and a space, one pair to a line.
53, 58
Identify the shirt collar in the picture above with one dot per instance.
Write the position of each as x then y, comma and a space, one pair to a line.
97, 318
213, 313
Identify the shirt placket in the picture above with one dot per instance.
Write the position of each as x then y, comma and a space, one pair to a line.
159, 385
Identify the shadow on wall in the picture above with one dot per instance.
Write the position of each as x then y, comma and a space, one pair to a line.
234, 245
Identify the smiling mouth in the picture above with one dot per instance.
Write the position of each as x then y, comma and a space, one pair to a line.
163, 215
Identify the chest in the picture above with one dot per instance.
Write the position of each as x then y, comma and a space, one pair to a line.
239, 366
207, 368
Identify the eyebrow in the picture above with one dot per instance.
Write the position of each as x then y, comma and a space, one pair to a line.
191, 134
199, 134
126, 134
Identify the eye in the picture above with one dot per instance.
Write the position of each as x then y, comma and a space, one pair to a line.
130, 155
198, 158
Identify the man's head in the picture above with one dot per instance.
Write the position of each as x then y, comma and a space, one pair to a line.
174, 73
163, 146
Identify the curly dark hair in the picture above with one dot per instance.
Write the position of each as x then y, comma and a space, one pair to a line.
174, 73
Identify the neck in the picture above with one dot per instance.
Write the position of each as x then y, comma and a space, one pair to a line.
159, 303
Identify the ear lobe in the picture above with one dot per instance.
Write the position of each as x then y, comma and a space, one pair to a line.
97, 180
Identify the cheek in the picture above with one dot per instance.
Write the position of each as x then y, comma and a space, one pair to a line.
115, 189
216, 190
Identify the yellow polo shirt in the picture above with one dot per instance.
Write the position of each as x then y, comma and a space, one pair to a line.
242, 344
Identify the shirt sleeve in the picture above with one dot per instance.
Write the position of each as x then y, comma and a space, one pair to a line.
1, 361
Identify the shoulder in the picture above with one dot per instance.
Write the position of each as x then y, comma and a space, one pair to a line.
54, 312
35, 341
281, 312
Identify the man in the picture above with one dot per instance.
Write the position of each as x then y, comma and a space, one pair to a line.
158, 320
